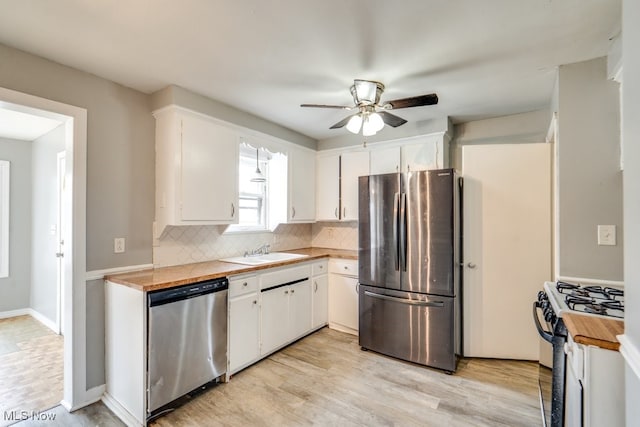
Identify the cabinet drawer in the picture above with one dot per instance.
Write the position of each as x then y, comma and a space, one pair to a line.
284, 275
318, 268
345, 267
242, 285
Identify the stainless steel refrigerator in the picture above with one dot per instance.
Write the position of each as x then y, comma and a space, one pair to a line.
409, 275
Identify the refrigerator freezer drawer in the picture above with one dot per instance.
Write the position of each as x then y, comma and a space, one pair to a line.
414, 327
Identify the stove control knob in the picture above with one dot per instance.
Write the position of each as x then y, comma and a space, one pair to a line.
548, 315
542, 296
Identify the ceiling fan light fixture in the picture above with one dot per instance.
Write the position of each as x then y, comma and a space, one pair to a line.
354, 124
368, 127
376, 121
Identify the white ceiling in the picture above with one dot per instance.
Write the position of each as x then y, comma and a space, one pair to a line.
483, 58
24, 126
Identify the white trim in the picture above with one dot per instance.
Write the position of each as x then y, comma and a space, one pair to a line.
119, 410
44, 320
99, 274
14, 313
92, 396
631, 353
583, 280
5, 190
75, 303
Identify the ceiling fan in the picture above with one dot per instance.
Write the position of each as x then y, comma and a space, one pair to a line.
372, 115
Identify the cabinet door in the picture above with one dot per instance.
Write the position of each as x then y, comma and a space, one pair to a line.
320, 292
384, 160
352, 166
209, 176
302, 186
343, 301
299, 309
422, 156
328, 188
274, 319
244, 345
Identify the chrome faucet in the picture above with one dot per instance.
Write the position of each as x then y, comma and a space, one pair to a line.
262, 250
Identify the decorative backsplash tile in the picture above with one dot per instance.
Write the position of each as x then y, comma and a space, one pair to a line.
188, 244
336, 235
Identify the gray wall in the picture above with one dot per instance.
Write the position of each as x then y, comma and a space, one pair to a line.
631, 136
184, 98
120, 152
95, 339
14, 290
44, 214
590, 181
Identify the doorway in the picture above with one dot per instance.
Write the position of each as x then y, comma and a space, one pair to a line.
71, 310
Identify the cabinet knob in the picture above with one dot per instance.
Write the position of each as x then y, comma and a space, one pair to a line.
336, 213
255, 302
293, 212
233, 210
344, 212
292, 290
244, 284
316, 286
286, 292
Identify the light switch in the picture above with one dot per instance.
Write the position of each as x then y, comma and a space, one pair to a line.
607, 235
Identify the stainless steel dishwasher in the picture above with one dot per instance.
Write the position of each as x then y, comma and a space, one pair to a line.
187, 342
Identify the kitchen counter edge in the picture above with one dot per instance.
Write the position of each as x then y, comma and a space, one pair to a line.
154, 279
596, 331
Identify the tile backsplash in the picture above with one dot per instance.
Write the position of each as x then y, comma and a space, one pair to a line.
336, 235
188, 244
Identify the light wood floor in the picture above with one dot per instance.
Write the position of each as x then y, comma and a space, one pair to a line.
326, 380
31, 366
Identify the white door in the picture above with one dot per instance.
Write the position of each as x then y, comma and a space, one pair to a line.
343, 301
243, 331
60, 237
320, 289
274, 319
302, 184
299, 309
328, 188
507, 246
352, 166
384, 160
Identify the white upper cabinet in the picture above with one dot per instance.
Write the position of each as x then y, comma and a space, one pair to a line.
328, 188
352, 165
302, 184
209, 184
196, 170
385, 160
411, 154
337, 185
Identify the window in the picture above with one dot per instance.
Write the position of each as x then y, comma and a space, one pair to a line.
4, 218
252, 202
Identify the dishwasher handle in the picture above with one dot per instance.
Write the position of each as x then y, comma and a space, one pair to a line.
192, 290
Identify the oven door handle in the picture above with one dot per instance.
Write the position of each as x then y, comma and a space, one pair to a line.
546, 335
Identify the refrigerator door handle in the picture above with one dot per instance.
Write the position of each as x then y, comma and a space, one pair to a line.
403, 231
396, 250
405, 301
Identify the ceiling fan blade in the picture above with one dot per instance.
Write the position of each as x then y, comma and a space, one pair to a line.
414, 101
391, 119
339, 107
342, 122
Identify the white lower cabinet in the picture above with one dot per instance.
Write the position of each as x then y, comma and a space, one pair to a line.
244, 328
594, 392
343, 295
320, 290
272, 309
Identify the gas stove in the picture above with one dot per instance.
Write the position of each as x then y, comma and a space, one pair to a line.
594, 300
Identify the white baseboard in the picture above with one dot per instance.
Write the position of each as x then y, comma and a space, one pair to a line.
14, 313
341, 328
30, 312
91, 396
631, 353
120, 411
99, 274
44, 320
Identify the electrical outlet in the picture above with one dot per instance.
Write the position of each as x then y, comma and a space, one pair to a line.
607, 235
118, 245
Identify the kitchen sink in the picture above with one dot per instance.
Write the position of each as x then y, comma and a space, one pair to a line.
263, 259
